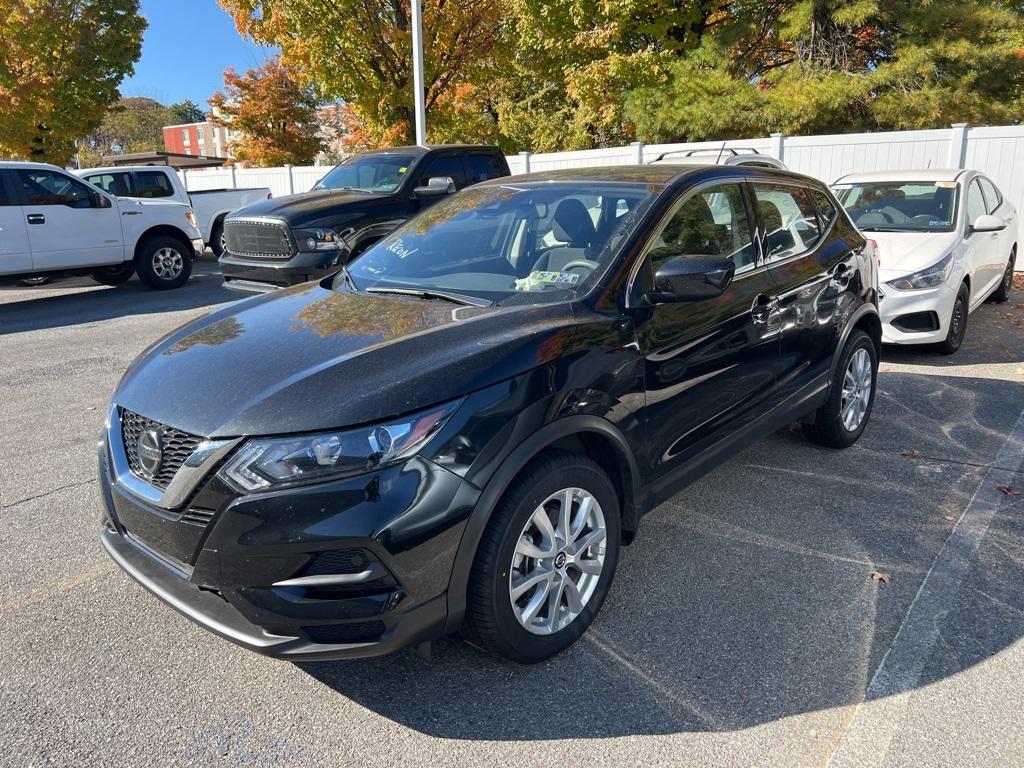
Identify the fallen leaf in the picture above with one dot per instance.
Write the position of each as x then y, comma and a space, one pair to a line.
910, 453
885, 578
1007, 490
949, 517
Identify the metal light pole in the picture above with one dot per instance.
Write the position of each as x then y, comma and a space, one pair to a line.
417, 72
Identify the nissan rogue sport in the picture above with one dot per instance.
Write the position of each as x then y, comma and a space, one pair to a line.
463, 427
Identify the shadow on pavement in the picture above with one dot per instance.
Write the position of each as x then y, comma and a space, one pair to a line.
58, 305
745, 599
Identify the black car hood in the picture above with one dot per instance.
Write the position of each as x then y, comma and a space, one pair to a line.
309, 358
312, 208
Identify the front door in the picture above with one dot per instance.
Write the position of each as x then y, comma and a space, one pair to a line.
708, 364
65, 229
15, 255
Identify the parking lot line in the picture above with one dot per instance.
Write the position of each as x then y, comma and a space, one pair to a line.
877, 719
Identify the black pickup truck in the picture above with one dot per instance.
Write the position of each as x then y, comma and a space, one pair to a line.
287, 240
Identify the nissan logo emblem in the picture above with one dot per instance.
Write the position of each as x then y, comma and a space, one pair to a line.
150, 450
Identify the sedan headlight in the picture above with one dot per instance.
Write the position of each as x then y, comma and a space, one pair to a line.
319, 239
930, 277
267, 463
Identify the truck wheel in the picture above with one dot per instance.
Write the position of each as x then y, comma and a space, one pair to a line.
545, 561
217, 243
115, 275
162, 263
34, 281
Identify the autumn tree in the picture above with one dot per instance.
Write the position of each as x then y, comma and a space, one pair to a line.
61, 62
360, 52
273, 116
806, 66
131, 125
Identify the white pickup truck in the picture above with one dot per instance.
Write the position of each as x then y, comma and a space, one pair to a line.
52, 223
158, 182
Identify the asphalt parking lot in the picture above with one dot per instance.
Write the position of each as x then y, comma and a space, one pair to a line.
743, 628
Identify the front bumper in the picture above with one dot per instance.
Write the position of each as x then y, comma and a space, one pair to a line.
896, 307
241, 566
262, 275
198, 247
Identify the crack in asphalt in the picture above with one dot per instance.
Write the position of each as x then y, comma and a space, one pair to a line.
44, 494
1018, 471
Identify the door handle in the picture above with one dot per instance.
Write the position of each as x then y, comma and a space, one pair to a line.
763, 307
36, 218
841, 274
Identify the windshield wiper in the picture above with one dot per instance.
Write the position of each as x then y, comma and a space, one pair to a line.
454, 298
348, 279
880, 229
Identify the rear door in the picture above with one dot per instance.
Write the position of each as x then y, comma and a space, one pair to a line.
15, 255
998, 207
811, 269
709, 365
65, 230
985, 258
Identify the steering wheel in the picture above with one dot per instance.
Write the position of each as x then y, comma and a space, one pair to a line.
585, 263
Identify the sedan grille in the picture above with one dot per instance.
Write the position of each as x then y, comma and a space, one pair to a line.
258, 239
176, 447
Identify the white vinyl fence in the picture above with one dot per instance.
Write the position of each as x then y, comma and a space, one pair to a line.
996, 151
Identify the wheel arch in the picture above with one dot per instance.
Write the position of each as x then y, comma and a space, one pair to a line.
163, 230
864, 318
594, 437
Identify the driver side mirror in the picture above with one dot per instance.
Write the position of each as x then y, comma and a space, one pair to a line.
99, 201
438, 185
987, 223
691, 278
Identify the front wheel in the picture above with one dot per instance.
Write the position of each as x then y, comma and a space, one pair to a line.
218, 243
546, 560
1002, 293
957, 322
120, 273
840, 422
163, 263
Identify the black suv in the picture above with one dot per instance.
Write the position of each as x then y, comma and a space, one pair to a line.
462, 427
289, 240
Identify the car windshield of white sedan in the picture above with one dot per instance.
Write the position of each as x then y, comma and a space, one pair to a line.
369, 173
909, 206
520, 243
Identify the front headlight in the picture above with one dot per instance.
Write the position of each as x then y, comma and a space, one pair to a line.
319, 239
930, 277
267, 463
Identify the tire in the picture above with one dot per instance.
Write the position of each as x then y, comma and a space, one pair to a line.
957, 322
116, 275
495, 621
32, 282
1002, 293
163, 262
217, 244
840, 422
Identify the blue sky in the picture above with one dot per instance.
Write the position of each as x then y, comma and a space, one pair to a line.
185, 51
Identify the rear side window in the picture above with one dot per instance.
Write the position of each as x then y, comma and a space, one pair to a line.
483, 167
7, 190
450, 165
826, 208
789, 219
992, 197
43, 187
151, 184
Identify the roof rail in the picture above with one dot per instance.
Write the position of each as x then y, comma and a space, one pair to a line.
733, 151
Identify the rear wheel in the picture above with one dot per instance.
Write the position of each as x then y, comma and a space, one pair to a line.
546, 560
115, 275
840, 422
162, 263
1002, 293
217, 242
957, 322
34, 281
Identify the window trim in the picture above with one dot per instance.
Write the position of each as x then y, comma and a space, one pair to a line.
741, 182
992, 184
823, 234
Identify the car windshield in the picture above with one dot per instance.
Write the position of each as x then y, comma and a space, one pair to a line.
900, 206
369, 173
521, 243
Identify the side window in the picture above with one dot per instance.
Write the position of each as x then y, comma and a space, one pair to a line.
711, 222
451, 165
975, 203
992, 196
7, 190
43, 187
826, 208
789, 219
151, 184
112, 183
483, 167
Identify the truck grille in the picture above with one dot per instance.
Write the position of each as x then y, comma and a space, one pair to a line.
258, 239
177, 446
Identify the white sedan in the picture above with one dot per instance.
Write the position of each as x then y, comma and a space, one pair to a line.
946, 242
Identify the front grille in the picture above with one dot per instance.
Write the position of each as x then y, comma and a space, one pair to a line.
177, 446
258, 239
342, 634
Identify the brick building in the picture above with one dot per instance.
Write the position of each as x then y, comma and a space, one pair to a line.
204, 139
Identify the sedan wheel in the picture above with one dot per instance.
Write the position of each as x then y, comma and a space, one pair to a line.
857, 385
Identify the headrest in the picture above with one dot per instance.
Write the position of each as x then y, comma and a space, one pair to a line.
572, 223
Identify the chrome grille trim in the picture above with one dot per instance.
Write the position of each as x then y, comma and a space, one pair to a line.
259, 239
177, 446
195, 467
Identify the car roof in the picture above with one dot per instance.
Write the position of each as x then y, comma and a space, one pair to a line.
120, 168
422, 150
15, 164
926, 174
661, 174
